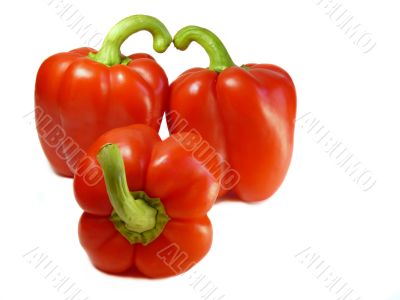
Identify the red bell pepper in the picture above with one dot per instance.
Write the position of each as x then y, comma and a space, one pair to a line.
83, 93
247, 114
151, 215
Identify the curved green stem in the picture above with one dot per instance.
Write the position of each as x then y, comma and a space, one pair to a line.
110, 51
137, 215
219, 56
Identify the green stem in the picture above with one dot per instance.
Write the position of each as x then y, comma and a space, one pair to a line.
219, 56
110, 52
137, 215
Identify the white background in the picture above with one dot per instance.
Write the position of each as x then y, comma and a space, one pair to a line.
354, 95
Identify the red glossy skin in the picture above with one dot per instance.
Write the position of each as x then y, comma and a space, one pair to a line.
247, 115
163, 170
84, 99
